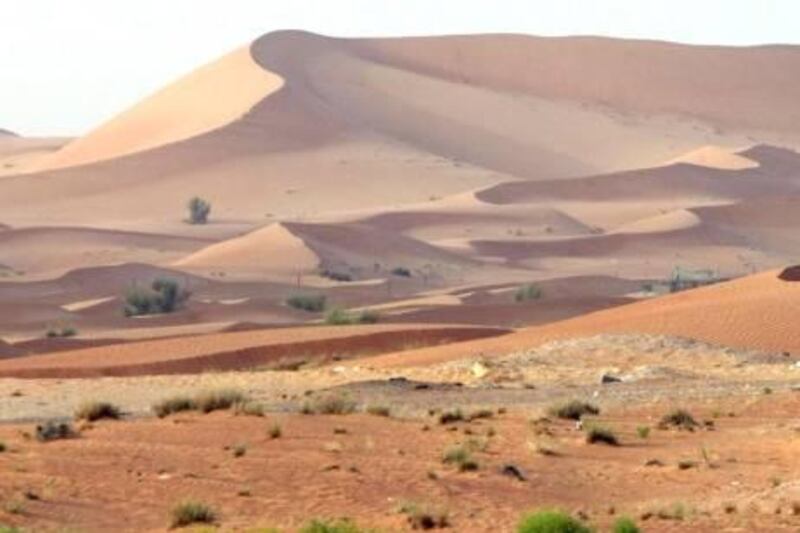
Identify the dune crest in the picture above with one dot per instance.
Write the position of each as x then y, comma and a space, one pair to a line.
273, 251
204, 100
716, 157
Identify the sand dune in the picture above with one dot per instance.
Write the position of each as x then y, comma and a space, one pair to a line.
715, 157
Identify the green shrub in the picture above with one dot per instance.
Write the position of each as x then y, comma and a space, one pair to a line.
461, 457
527, 292
188, 513
574, 410
275, 431
199, 210
9, 529
551, 522
600, 434
679, 418
449, 417
175, 404
336, 276
91, 411
425, 516
625, 525
340, 317
53, 430
313, 303
643, 431
62, 333
163, 296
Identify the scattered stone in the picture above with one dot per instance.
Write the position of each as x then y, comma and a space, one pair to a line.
609, 378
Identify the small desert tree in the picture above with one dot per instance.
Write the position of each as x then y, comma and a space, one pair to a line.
199, 210
164, 296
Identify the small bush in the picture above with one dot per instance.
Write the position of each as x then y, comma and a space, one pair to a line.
176, 404
249, 408
527, 292
340, 317
313, 303
625, 525
61, 333
449, 417
188, 513
336, 276
217, 400
600, 434
199, 210
53, 430
163, 296
379, 410
574, 410
425, 516
330, 404
331, 526
275, 431
91, 411
9, 529
643, 431
461, 457
481, 413
678, 418
3, 447
401, 272
551, 522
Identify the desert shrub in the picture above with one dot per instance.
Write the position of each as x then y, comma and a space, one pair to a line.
643, 431
175, 404
313, 303
91, 411
163, 296
199, 210
335, 275
679, 418
330, 404
53, 430
3, 447
551, 522
379, 410
61, 333
574, 410
481, 413
425, 516
188, 513
343, 525
460, 457
449, 417
9, 529
216, 400
625, 525
275, 431
601, 434
340, 317
239, 450
527, 292
249, 408
401, 272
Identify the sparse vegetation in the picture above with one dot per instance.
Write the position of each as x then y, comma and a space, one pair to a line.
678, 418
53, 430
313, 303
643, 431
249, 408
331, 526
335, 275
449, 417
199, 210
574, 410
3, 447
92, 411
551, 522
481, 413
601, 435
341, 317
190, 512
329, 404
206, 402
379, 410
460, 457
163, 296
527, 293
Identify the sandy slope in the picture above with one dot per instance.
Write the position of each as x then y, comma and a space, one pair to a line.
756, 312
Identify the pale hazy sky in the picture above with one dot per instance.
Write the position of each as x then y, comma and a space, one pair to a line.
65, 65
